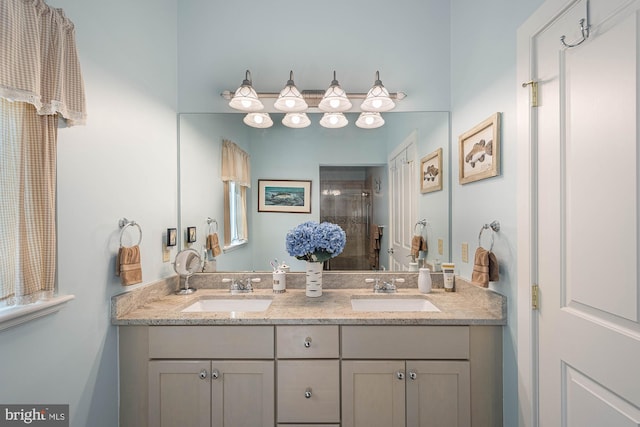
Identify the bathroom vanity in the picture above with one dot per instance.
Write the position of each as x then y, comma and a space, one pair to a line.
311, 362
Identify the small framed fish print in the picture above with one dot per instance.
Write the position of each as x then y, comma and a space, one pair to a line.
431, 172
479, 151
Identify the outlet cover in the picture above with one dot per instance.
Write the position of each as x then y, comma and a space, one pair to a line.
465, 252
440, 246
166, 254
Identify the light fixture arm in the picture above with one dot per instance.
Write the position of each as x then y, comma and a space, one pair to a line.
310, 95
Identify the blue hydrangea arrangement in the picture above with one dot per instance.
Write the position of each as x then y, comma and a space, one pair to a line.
315, 242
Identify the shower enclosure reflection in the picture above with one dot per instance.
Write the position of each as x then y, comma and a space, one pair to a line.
347, 199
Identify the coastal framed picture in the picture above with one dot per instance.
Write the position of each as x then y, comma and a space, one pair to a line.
287, 196
431, 172
479, 151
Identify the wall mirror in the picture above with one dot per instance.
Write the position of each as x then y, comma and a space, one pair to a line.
349, 170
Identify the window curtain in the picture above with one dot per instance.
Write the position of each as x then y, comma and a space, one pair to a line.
235, 164
40, 81
235, 167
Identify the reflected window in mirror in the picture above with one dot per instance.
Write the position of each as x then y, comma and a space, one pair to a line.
235, 214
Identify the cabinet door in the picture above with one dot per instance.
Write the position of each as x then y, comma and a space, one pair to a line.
179, 393
242, 394
373, 394
438, 394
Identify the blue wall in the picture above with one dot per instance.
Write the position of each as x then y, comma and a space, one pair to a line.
483, 81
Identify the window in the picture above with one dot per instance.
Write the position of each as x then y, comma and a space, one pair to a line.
236, 177
235, 205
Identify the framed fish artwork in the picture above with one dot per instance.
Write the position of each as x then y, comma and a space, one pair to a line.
479, 151
284, 196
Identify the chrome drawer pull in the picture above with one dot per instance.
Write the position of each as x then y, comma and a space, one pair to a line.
215, 374
400, 375
307, 393
413, 375
203, 374
307, 342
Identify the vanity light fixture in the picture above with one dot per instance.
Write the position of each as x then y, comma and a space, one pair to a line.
335, 99
245, 97
258, 120
333, 120
290, 99
369, 120
378, 98
295, 103
296, 120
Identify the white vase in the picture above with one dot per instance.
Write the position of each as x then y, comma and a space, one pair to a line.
314, 279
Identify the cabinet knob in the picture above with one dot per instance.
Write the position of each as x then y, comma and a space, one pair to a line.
413, 375
203, 374
215, 374
400, 375
307, 393
307, 342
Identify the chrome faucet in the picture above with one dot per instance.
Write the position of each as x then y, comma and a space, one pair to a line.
384, 287
237, 287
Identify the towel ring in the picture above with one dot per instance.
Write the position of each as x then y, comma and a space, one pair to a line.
495, 227
212, 221
422, 223
124, 223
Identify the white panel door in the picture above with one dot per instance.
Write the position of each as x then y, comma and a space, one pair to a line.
403, 183
585, 141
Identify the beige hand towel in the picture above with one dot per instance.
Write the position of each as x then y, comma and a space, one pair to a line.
128, 265
485, 268
214, 244
418, 243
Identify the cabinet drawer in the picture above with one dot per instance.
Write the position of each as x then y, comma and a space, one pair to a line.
307, 341
308, 425
211, 342
405, 342
321, 378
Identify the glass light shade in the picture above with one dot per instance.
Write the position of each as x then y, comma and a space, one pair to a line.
334, 99
296, 120
290, 99
377, 98
258, 120
369, 120
245, 97
333, 120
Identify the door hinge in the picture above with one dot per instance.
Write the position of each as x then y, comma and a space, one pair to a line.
535, 297
534, 92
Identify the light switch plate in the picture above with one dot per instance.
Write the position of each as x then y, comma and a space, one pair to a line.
166, 254
465, 252
440, 246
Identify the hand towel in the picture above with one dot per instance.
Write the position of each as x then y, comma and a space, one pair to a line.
485, 268
128, 265
418, 243
214, 244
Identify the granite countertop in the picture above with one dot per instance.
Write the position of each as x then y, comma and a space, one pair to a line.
469, 305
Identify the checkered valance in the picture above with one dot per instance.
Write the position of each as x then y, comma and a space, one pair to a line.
39, 63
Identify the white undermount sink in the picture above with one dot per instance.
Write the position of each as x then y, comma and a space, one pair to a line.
392, 304
228, 305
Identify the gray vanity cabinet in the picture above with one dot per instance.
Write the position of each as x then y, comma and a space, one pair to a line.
311, 375
418, 393
308, 379
210, 393
419, 376
220, 376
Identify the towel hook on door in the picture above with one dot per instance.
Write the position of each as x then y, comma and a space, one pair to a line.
124, 223
584, 29
495, 227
